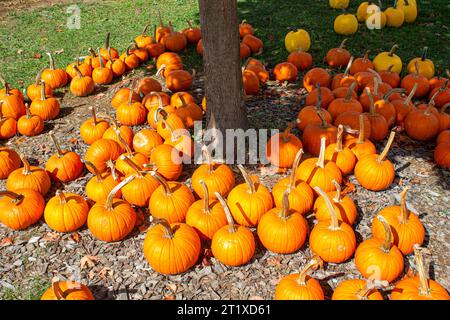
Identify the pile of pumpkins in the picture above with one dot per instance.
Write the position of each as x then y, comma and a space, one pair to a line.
403, 11
25, 113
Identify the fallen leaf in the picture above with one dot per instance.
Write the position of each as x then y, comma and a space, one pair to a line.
88, 261
349, 188
20, 82
76, 237
274, 261
59, 30
105, 272
72, 140
37, 55
172, 286
6, 242
59, 51
51, 237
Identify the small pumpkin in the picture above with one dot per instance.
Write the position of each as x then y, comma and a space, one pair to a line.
174, 121
300, 59
64, 166
379, 259
178, 80
282, 148
67, 290
206, 216
145, 140
84, 68
285, 71
233, 245
327, 97
403, 107
117, 66
104, 51
54, 77
250, 81
66, 212
162, 30
81, 85
425, 66
374, 172
390, 77
338, 57
344, 158
102, 151
30, 125
407, 230
384, 60
168, 161
345, 79
189, 112
192, 34
47, 109
12, 107
171, 248
171, 200
314, 132
362, 64
155, 49
422, 124
351, 123
419, 287
9, 161
130, 59
346, 24
138, 159
147, 85
174, 41
245, 28
295, 40
282, 230
249, 201
379, 127
93, 129
255, 44
101, 184
143, 40
28, 177
314, 76
361, 146
442, 155
21, 208
301, 286
34, 89
169, 61
341, 105
332, 240
356, 289
408, 82
386, 108
444, 136
102, 75
131, 113
112, 219
141, 53
112, 133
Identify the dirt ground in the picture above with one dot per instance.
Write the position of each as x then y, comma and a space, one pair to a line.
120, 271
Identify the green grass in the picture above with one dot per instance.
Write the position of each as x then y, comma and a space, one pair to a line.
26, 33
32, 291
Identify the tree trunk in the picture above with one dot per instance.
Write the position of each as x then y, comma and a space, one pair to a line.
221, 61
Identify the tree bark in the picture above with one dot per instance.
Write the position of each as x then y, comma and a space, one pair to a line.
221, 61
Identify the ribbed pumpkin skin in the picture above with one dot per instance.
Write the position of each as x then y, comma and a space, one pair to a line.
38, 180
22, 214
246, 208
64, 168
408, 289
77, 291
374, 263
220, 180
173, 207
100, 152
233, 249
206, 224
405, 235
374, 175
146, 140
168, 161
315, 176
442, 154
9, 161
360, 149
66, 217
172, 256
289, 289
112, 225
344, 159
348, 290
346, 209
282, 235
91, 131
139, 191
301, 198
136, 158
334, 246
126, 133
98, 190
286, 147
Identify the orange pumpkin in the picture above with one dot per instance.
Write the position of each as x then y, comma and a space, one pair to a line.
314, 132
54, 77
117, 66
12, 106
102, 151
168, 161
47, 109
356, 289
422, 124
192, 34
8, 125
67, 290
316, 76
30, 125
101, 184
344, 158
361, 146
341, 105
301, 60
131, 113
174, 41
379, 127
34, 89
282, 148
9, 161
245, 29
178, 80
138, 159
423, 86
121, 97
390, 77
351, 122
442, 155
326, 95
155, 49
254, 43
102, 75
130, 59
403, 107
93, 129
21, 208
338, 57
81, 85
362, 64
285, 71
189, 112
145, 140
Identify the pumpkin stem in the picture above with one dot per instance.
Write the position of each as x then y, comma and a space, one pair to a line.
163, 182
27, 110
160, 19
334, 222
43, 97
112, 194
16, 198
424, 288
62, 197
349, 65
295, 165
371, 102
416, 67
38, 77
94, 115
161, 68
125, 144
96, 172
78, 71
386, 246
108, 36
349, 95
133, 165
342, 45
337, 198
173, 138
154, 34
183, 101
59, 294
442, 88
56, 143
391, 52
231, 225
285, 205
248, 179
313, 264
383, 155
111, 166
52, 61
168, 232
369, 288
92, 52
340, 133
208, 159
144, 32
403, 209
390, 68
206, 207
444, 108
110, 56
100, 59
287, 131
388, 94
26, 165
411, 94
366, 55
424, 53
189, 24
321, 159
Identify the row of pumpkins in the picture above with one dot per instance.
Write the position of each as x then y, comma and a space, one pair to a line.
146, 175
402, 11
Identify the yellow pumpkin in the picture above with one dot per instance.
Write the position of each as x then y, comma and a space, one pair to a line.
426, 66
296, 40
361, 12
409, 8
395, 17
339, 4
384, 60
346, 24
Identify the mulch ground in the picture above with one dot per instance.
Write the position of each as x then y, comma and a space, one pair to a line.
120, 271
